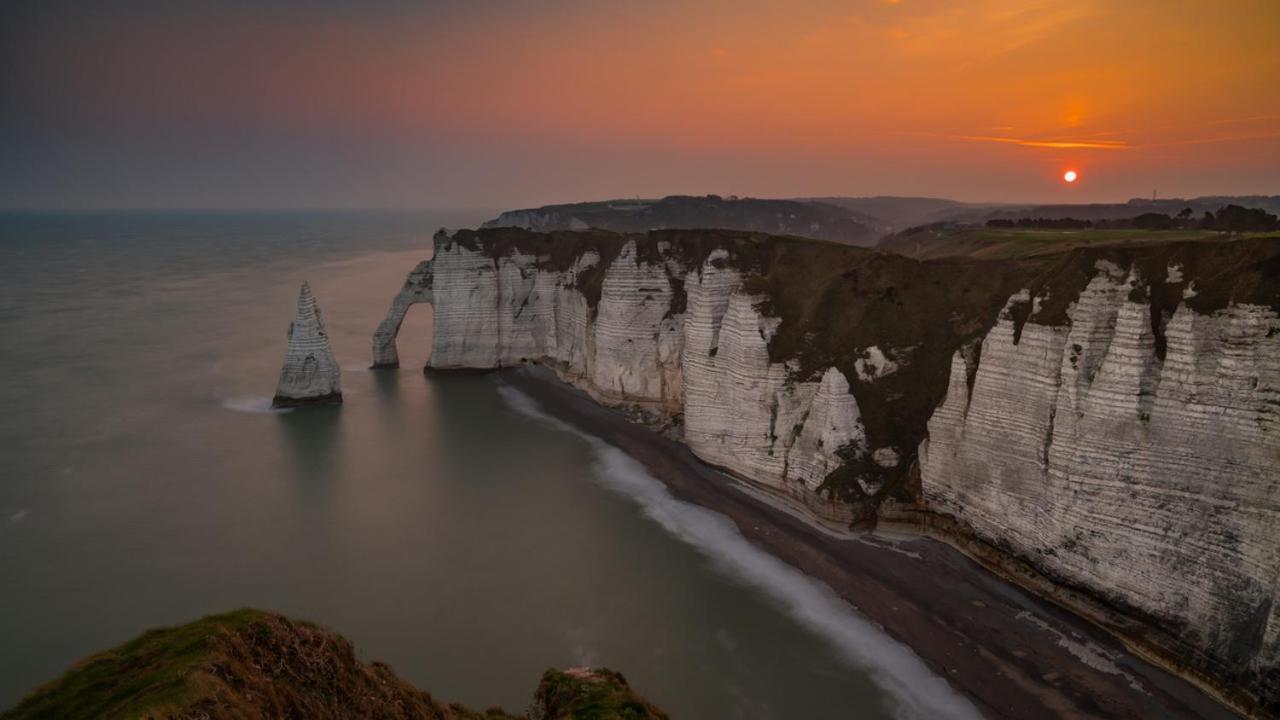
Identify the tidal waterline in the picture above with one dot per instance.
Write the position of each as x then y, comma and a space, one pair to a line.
916, 691
465, 544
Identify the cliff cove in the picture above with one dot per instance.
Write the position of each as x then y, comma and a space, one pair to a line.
835, 377
717, 461
1015, 656
443, 533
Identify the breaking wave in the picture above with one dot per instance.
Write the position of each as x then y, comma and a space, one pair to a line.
916, 690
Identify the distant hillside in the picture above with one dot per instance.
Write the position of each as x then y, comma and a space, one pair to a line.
252, 664
863, 221
1051, 229
896, 213
944, 240
899, 213
979, 213
803, 218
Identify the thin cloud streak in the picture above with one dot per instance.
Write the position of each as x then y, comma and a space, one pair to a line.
1082, 143
1226, 139
1023, 142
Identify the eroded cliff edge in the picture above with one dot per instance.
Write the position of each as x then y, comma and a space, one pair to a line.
1099, 425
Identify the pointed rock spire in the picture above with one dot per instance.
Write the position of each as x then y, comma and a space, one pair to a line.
310, 375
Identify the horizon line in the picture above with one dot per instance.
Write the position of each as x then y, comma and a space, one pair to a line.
501, 208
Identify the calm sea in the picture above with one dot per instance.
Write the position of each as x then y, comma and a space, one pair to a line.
436, 521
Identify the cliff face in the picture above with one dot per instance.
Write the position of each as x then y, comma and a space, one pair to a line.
310, 375
1142, 467
253, 664
680, 325
1106, 417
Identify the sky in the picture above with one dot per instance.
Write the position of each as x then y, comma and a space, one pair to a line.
495, 103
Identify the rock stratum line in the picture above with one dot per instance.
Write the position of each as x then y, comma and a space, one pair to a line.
1099, 426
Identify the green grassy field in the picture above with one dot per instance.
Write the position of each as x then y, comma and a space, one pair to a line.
1011, 243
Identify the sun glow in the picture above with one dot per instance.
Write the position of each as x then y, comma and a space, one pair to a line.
1070, 176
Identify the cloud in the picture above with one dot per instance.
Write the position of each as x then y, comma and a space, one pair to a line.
1026, 142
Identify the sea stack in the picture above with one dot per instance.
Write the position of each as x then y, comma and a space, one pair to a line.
310, 375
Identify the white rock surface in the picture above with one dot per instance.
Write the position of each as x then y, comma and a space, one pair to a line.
417, 289
310, 374
740, 411
637, 342
875, 365
1150, 483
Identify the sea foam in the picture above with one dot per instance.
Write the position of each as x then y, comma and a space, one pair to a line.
255, 404
916, 690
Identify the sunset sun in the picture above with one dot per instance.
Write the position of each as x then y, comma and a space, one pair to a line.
1070, 176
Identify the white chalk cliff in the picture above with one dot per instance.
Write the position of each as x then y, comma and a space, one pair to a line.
310, 375
742, 413
1153, 483
1121, 448
709, 363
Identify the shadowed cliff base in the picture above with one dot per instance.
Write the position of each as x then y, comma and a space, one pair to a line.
254, 664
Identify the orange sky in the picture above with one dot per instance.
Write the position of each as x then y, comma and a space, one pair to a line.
503, 103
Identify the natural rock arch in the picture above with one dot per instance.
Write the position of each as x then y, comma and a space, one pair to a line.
416, 289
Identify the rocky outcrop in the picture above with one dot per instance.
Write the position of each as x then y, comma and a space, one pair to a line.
310, 375
1106, 418
254, 664
589, 693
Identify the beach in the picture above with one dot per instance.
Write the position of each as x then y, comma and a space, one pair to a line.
1013, 655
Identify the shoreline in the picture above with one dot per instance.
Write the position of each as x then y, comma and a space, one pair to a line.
1013, 654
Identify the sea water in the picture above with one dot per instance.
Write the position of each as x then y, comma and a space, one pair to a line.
438, 521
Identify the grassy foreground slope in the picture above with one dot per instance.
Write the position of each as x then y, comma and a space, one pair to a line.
253, 664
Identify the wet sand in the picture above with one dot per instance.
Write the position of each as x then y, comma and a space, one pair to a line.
1015, 656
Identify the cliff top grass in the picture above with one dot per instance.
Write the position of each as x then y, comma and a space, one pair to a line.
147, 675
994, 243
